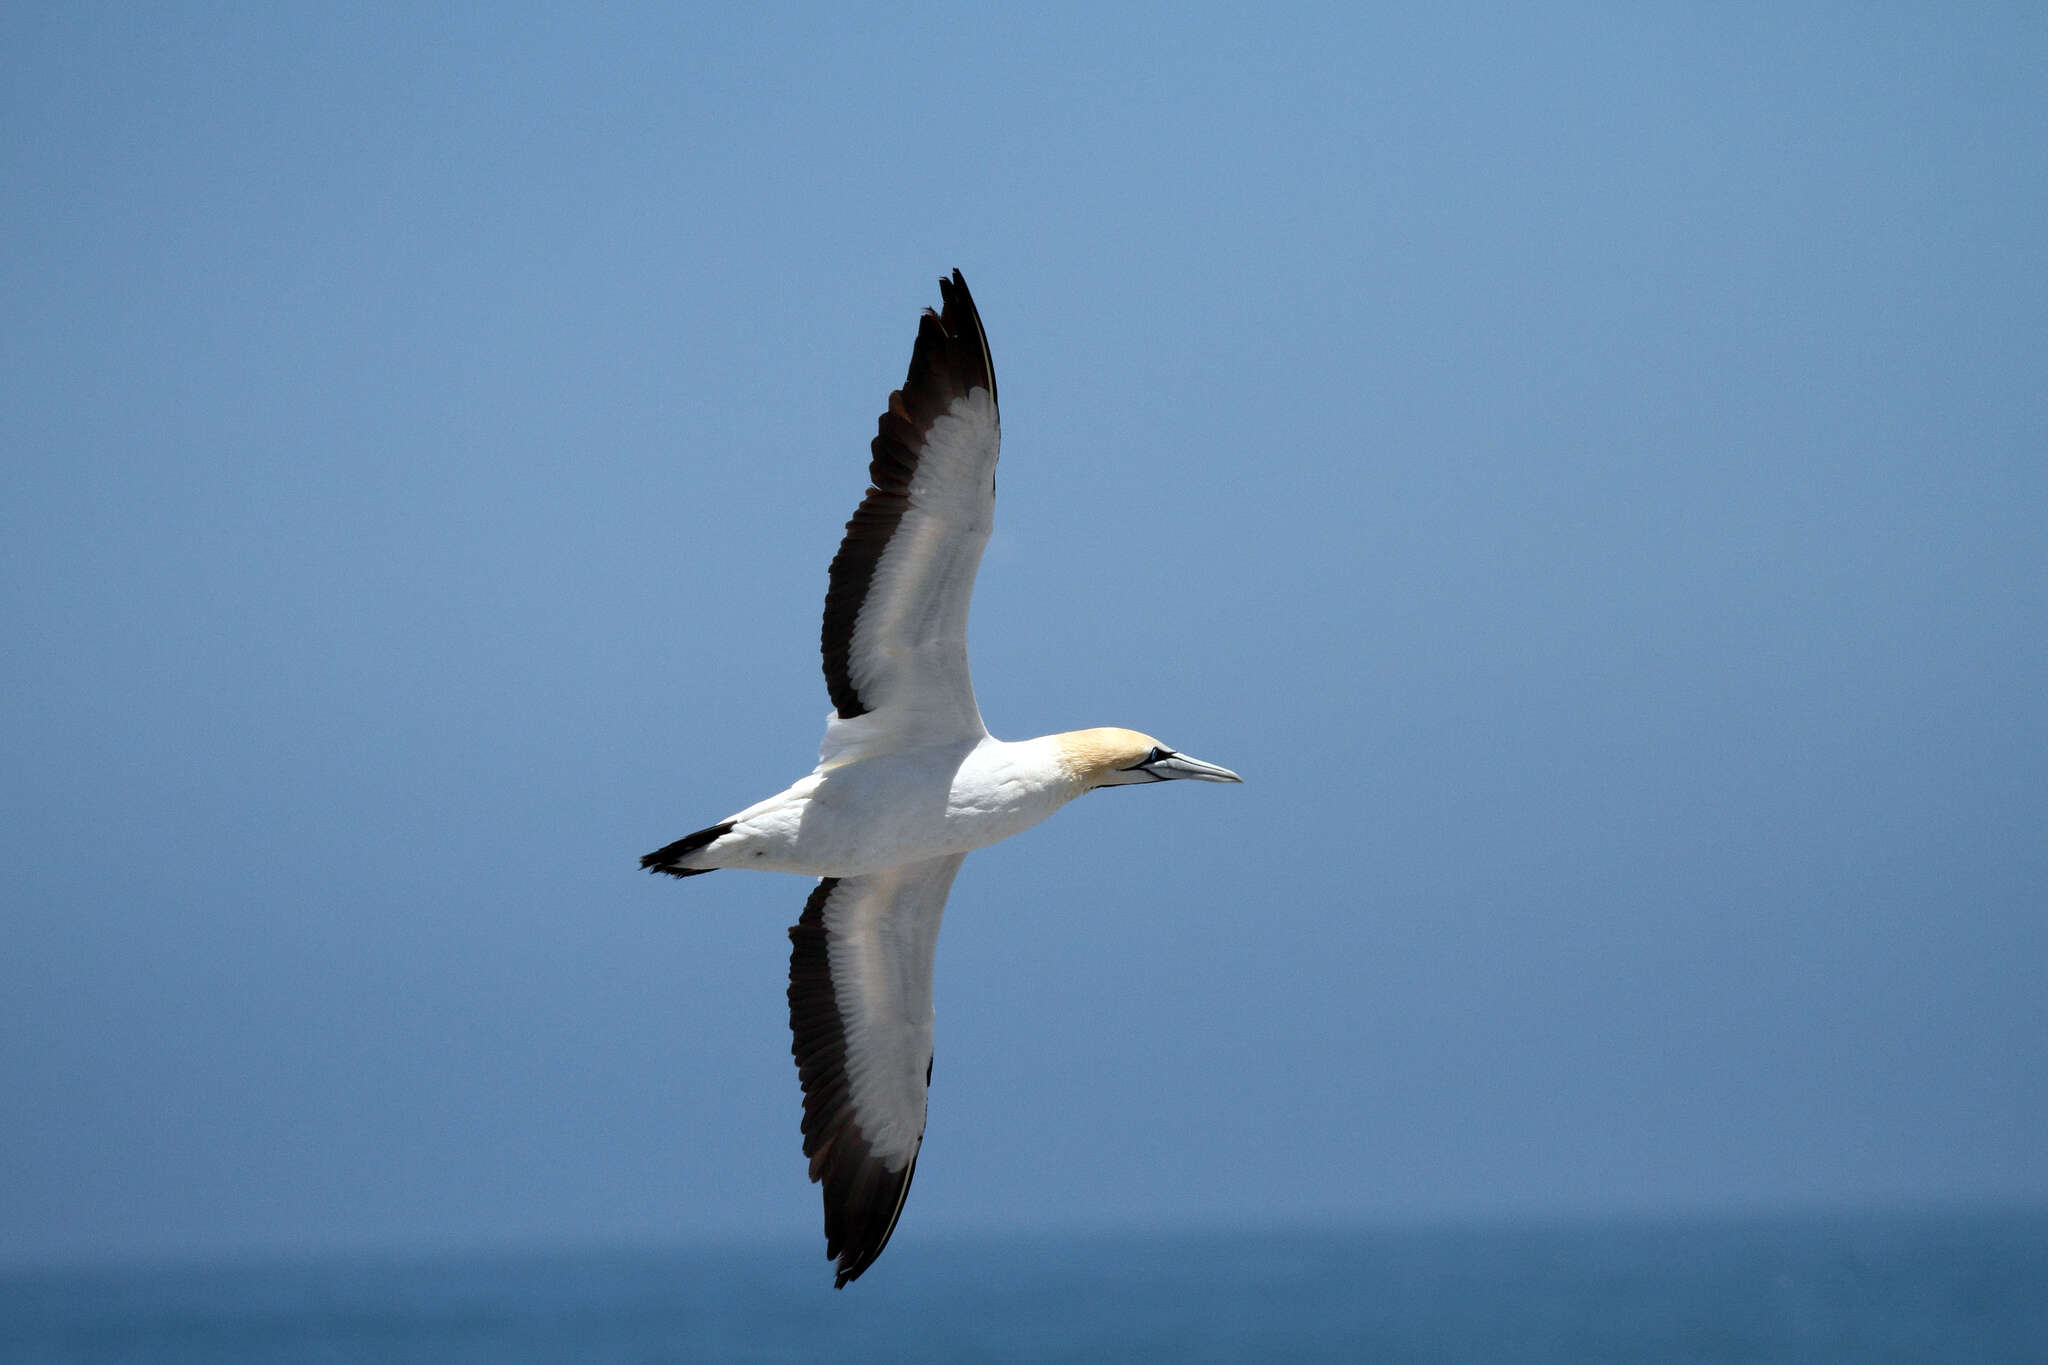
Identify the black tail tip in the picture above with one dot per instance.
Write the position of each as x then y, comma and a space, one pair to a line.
666, 859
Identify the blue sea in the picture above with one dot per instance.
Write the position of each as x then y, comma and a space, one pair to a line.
1860, 1289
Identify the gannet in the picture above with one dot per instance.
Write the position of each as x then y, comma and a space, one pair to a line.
908, 783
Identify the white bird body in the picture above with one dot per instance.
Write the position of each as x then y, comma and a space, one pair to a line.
848, 819
908, 782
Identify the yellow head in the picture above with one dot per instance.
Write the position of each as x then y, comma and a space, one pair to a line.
1112, 757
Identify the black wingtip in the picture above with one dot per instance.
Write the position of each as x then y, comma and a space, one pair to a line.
960, 320
666, 859
947, 287
854, 1257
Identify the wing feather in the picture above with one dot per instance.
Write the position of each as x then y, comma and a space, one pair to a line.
894, 637
860, 1017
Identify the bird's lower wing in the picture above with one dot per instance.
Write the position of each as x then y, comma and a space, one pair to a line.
860, 1010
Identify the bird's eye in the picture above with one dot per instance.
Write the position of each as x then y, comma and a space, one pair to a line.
1157, 754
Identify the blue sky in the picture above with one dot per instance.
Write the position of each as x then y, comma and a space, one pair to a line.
1584, 468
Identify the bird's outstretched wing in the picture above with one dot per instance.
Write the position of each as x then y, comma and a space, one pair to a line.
895, 631
860, 1010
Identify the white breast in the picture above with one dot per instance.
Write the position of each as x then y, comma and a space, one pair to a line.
850, 819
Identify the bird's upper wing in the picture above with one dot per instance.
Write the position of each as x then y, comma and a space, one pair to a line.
860, 1010
895, 632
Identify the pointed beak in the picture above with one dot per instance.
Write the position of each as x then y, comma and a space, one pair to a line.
1171, 766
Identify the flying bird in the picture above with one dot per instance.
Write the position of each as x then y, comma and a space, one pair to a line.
908, 783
